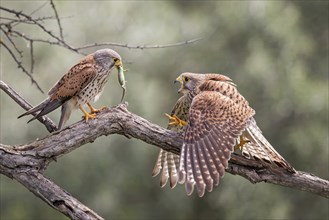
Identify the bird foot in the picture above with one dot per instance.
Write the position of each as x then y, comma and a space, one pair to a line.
94, 110
174, 120
88, 115
241, 143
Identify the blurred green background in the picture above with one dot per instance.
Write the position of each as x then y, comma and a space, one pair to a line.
275, 51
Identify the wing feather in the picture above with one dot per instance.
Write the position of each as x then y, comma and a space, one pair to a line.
204, 167
165, 171
215, 122
212, 166
77, 78
197, 175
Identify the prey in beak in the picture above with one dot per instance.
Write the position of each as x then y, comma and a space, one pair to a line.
121, 77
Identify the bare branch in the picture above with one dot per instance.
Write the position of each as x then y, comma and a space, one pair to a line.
13, 21
19, 63
58, 20
50, 125
140, 46
9, 31
26, 163
39, 8
32, 56
119, 120
12, 42
42, 187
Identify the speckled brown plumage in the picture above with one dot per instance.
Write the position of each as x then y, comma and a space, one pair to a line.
218, 116
82, 84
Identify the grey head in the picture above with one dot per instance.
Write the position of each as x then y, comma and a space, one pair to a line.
107, 59
189, 81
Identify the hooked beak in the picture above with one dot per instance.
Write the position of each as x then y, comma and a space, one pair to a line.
180, 80
118, 64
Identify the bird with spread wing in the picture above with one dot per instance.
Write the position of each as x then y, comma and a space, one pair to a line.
215, 120
82, 84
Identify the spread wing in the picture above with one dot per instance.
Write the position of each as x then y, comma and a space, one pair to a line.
257, 146
166, 161
215, 122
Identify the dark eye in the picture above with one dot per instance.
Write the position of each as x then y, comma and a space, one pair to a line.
115, 59
186, 79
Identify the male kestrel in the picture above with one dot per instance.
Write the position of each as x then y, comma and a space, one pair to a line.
219, 119
82, 84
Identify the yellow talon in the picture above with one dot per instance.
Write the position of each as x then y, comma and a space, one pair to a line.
93, 110
241, 143
86, 114
175, 120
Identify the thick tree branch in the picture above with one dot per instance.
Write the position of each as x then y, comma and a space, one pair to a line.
26, 163
49, 192
119, 120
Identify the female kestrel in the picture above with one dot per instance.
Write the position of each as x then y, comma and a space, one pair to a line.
219, 119
82, 84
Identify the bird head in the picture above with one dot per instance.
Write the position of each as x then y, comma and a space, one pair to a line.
108, 59
189, 81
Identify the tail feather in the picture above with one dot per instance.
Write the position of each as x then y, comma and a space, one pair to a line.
67, 108
259, 148
167, 163
49, 107
36, 108
43, 108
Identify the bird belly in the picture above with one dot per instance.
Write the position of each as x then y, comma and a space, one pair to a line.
93, 90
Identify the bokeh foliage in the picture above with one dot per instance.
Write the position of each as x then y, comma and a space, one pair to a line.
275, 51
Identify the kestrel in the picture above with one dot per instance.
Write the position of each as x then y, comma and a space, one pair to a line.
219, 119
82, 84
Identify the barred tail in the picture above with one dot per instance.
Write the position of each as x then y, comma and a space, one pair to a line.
259, 148
168, 163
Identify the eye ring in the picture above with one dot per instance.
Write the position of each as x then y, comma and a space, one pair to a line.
185, 79
115, 59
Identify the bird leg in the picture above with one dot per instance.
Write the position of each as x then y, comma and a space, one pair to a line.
86, 114
93, 110
175, 120
241, 143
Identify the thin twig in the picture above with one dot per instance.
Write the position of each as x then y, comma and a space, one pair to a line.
58, 20
39, 8
32, 56
140, 46
28, 38
19, 63
11, 41
13, 22
54, 39
17, 13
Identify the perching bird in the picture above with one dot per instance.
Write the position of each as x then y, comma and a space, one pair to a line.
82, 84
218, 119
